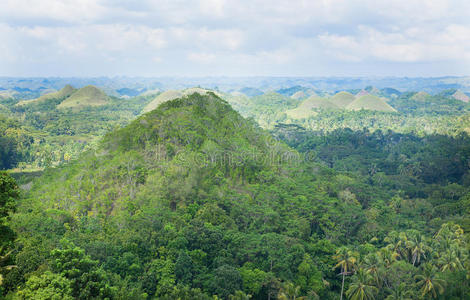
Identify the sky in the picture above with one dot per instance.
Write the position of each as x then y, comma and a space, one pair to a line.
155, 38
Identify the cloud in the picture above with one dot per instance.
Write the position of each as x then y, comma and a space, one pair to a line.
297, 37
201, 57
412, 45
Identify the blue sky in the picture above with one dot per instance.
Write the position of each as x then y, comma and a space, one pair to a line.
234, 38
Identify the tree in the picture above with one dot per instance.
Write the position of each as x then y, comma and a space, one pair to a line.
184, 268
309, 277
226, 281
253, 279
290, 292
429, 282
400, 292
346, 260
48, 286
417, 247
239, 295
450, 260
361, 287
373, 265
9, 193
87, 280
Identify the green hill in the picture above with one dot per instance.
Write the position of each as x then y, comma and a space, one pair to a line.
342, 99
372, 90
459, 95
299, 95
192, 201
4, 110
251, 92
298, 113
362, 93
86, 96
370, 102
420, 96
183, 188
163, 97
316, 102
291, 90
307, 107
173, 94
64, 93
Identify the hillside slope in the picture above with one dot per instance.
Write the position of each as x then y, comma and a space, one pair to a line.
370, 102
86, 96
191, 200
188, 178
342, 99
63, 93
459, 95
307, 107
173, 94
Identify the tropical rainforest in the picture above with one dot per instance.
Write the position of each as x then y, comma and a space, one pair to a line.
249, 194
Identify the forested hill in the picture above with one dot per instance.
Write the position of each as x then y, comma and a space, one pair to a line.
192, 201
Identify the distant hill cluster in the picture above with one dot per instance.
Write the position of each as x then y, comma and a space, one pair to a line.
60, 119
341, 100
71, 97
301, 101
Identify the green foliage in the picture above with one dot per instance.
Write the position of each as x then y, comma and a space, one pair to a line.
361, 287
86, 279
9, 193
192, 201
48, 286
226, 280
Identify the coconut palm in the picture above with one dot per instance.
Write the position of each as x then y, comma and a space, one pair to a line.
388, 256
346, 260
429, 283
449, 234
374, 265
400, 292
417, 247
396, 243
290, 292
393, 241
361, 287
450, 261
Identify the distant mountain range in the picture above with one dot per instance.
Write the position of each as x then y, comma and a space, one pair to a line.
28, 88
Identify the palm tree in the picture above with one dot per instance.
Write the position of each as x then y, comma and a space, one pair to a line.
429, 283
346, 260
417, 247
388, 256
396, 242
3, 259
449, 234
374, 265
450, 261
361, 288
401, 292
290, 292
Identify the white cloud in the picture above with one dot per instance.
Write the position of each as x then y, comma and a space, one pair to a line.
202, 57
243, 37
412, 45
69, 11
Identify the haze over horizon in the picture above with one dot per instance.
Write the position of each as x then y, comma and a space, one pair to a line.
234, 38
